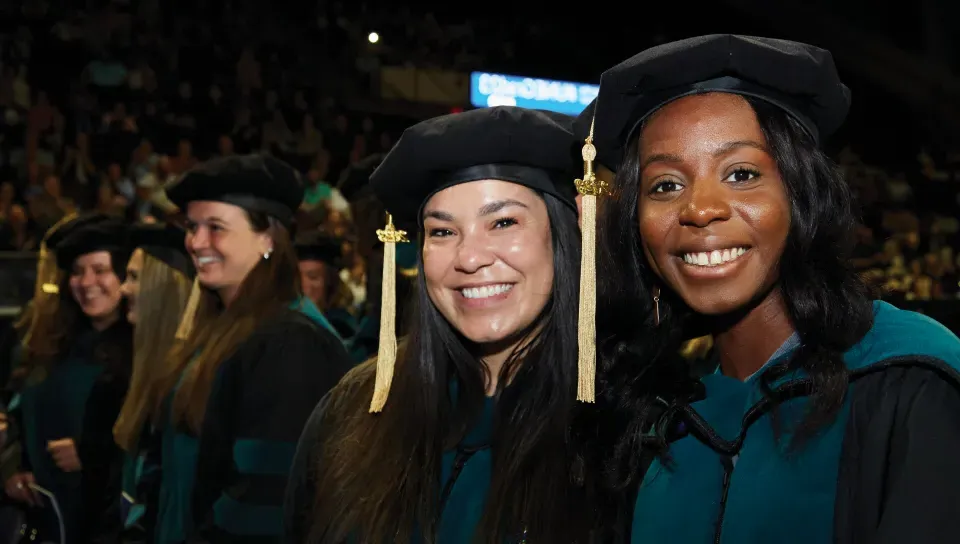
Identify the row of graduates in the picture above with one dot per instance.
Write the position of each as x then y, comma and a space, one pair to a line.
538, 395
163, 368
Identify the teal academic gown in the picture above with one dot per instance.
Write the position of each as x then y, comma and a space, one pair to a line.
465, 476
54, 409
195, 472
893, 441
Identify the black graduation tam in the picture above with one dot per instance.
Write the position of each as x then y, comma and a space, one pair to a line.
253, 182
356, 177
317, 246
64, 228
107, 235
164, 242
607, 156
799, 78
519, 145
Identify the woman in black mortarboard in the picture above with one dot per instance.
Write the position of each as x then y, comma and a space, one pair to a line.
90, 346
253, 359
157, 285
468, 436
320, 258
831, 417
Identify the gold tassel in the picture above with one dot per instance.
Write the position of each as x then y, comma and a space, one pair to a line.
387, 351
190, 312
590, 188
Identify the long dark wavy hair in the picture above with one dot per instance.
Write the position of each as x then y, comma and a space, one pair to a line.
378, 476
827, 302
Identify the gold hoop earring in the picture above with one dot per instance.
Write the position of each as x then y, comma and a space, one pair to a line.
656, 306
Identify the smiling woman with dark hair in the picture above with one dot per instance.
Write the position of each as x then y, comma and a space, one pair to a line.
473, 443
831, 417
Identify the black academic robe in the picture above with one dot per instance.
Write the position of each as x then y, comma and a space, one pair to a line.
102, 461
884, 471
261, 400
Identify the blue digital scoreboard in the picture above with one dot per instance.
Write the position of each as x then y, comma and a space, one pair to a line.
488, 90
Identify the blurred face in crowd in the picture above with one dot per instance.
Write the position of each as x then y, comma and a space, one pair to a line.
713, 211
18, 217
225, 145
185, 148
131, 285
313, 280
488, 258
223, 245
51, 184
95, 286
185, 90
114, 172
367, 124
341, 123
7, 192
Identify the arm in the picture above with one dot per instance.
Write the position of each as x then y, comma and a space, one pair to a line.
102, 462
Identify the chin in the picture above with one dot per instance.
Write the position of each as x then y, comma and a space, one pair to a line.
717, 302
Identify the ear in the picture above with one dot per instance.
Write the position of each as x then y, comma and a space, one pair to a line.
579, 200
265, 242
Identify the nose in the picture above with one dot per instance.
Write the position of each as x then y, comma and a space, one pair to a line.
197, 240
473, 254
88, 278
125, 288
706, 202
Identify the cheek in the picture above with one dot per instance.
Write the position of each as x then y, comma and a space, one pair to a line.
653, 228
436, 261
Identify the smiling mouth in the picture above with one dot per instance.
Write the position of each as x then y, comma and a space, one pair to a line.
203, 261
717, 257
487, 291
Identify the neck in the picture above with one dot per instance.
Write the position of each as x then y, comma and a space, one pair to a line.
101, 324
227, 294
746, 345
495, 355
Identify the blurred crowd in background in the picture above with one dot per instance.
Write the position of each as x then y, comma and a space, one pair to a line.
99, 111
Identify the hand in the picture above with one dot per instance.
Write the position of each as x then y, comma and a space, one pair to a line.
64, 453
18, 489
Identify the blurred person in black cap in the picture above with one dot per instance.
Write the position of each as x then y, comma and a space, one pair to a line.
158, 280
91, 346
320, 258
255, 356
478, 411
831, 417
368, 212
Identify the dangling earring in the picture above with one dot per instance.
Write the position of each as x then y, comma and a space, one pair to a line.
656, 306
266, 254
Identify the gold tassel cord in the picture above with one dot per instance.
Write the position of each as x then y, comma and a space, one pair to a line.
387, 351
590, 188
187, 320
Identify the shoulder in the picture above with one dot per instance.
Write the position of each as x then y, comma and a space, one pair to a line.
900, 337
291, 326
893, 396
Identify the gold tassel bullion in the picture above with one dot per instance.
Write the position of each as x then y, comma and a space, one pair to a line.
387, 351
590, 188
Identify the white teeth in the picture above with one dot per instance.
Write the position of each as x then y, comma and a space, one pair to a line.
206, 260
486, 291
715, 257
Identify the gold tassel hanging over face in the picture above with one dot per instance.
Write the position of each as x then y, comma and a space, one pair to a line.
590, 188
387, 351
189, 317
